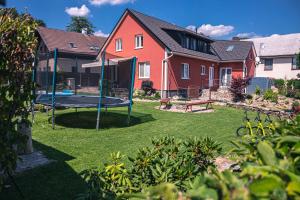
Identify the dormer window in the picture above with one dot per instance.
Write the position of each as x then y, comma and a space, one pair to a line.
230, 48
72, 45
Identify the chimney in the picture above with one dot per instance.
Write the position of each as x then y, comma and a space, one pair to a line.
84, 31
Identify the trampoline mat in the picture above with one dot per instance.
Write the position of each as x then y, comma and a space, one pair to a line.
81, 101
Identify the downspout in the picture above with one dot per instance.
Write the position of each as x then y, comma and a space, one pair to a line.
164, 73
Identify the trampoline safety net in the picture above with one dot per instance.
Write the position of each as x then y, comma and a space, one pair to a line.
65, 81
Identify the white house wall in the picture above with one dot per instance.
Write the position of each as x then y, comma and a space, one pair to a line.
282, 68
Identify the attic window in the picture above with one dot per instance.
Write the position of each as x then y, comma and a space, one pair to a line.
230, 48
72, 45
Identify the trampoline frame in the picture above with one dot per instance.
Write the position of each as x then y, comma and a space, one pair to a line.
127, 103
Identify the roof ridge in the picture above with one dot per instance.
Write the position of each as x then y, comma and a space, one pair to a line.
177, 26
64, 31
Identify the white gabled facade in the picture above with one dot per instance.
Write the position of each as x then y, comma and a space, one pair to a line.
277, 56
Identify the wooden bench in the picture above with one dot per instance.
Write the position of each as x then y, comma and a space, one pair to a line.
165, 102
191, 104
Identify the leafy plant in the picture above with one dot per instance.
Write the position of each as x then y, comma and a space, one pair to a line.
269, 169
18, 43
167, 160
147, 87
237, 88
270, 95
257, 90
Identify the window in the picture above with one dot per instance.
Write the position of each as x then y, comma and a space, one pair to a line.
185, 71
202, 70
294, 63
87, 70
193, 44
268, 64
230, 48
74, 69
144, 70
119, 46
187, 42
139, 40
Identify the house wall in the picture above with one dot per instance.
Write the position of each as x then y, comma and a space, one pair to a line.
250, 63
195, 79
282, 68
152, 51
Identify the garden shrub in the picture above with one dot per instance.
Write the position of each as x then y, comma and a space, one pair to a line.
237, 88
269, 169
257, 90
166, 160
18, 43
270, 95
297, 94
147, 87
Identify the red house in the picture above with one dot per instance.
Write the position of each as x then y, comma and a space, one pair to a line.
174, 58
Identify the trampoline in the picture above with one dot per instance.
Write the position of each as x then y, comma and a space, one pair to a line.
115, 84
81, 101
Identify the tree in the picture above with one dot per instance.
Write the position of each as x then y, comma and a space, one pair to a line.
79, 23
40, 22
18, 42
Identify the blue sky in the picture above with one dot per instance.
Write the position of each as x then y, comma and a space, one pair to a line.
217, 18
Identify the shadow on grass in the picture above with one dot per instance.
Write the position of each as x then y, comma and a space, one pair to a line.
56, 180
87, 119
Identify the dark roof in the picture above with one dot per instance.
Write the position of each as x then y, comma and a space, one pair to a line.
232, 50
156, 26
60, 39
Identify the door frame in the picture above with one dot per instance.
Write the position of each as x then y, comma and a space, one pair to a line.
211, 74
220, 76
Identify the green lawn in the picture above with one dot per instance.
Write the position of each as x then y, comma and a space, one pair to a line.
76, 145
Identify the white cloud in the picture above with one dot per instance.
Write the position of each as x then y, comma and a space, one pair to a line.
248, 35
215, 31
78, 12
110, 2
191, 27
101, 34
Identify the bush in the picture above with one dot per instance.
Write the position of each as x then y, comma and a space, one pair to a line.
147, 87
166, 160
270, 169
18, 42
237, 88
271, 96
257, 90
278, 83
297, 95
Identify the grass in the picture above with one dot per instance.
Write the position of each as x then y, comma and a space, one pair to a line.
75, 145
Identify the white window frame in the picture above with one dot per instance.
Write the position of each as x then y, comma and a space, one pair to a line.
203, 70
220, 77
144, 64
183, 68
119, 44
139, 41
268, 67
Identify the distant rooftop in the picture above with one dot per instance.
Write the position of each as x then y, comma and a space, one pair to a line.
71, 42
277, 45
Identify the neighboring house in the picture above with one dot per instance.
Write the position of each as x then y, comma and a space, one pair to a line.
174, 58
74, 50
277, 55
